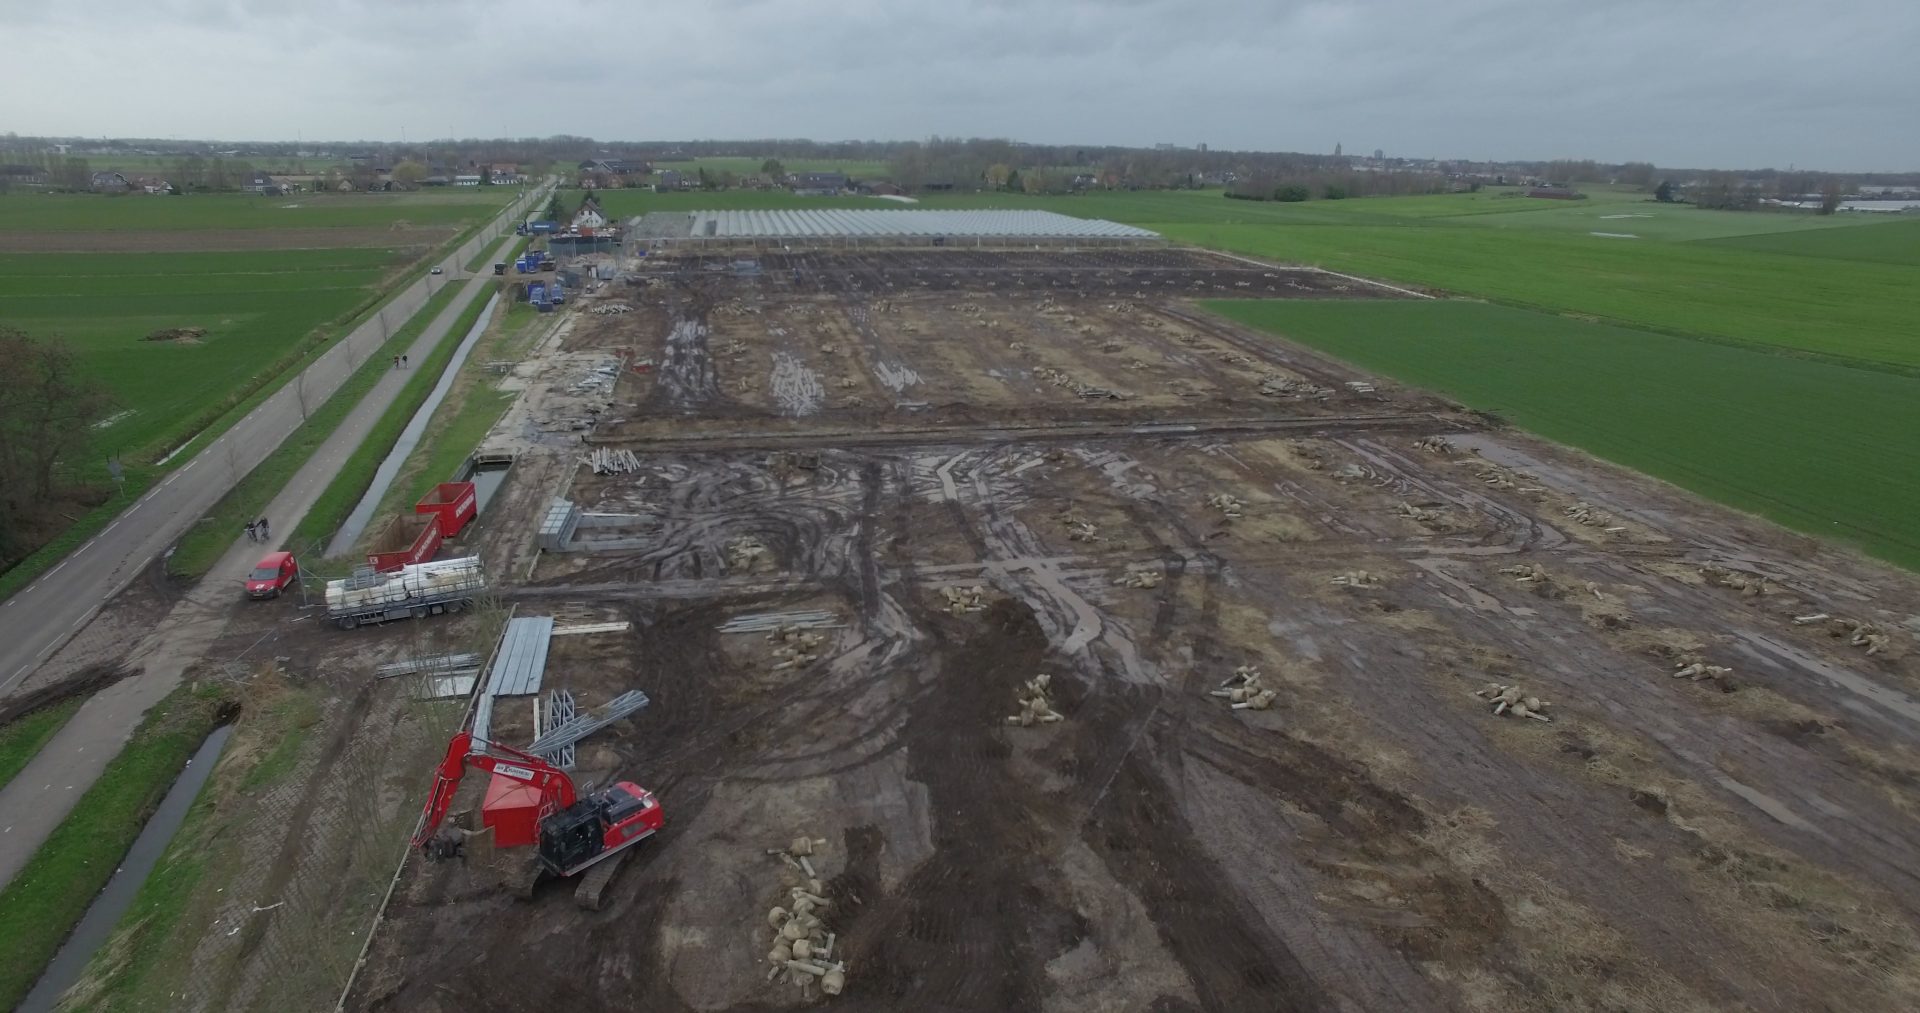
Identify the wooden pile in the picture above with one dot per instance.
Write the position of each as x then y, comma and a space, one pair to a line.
607, 461
1243, 690
1034, 699
1513, 700
802, 946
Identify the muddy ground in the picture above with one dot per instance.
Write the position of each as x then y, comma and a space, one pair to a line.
1377, 839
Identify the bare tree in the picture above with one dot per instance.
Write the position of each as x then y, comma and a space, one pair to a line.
46, 408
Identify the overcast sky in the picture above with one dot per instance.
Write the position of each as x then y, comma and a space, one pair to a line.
1682, 83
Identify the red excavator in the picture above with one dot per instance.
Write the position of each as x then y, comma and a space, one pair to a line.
530, 801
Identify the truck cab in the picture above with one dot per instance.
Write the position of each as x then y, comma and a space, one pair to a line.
275, 572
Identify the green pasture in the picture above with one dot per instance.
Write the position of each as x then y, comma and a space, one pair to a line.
1822, 448
1880, 241
138, 212
255, 307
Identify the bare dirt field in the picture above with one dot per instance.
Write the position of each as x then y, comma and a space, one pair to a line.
1720, 812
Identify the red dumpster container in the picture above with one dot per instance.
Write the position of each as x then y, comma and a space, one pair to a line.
455, 503
406, 540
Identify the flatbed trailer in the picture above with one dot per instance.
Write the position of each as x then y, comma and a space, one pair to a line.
412, 592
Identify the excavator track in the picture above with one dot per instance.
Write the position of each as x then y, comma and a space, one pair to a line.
593, 883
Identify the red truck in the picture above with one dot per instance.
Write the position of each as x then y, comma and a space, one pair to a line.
275, 572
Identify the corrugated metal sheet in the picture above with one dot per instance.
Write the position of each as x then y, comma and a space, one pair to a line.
523, 657
882, 224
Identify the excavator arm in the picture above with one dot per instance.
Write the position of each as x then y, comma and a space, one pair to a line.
463, 750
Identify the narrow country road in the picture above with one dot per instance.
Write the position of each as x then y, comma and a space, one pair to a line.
38, 620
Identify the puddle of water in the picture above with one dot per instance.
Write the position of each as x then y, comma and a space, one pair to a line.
105, 911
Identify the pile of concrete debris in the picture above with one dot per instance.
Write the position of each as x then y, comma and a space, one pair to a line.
1355, 578
1140, 577
746, 553
1228, 504
1034, 699
610, 309
1243, 690
1514, 700
962, 599
802, 946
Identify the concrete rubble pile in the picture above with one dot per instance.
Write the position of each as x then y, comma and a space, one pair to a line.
1139, 577
1750, 585
1420, 515
1856, 632
802, 947
1592, 516
794, 647
1281, 386
1079, 529
1355, 578
1699, 671
962, 599
1228, 504
1034, 699
745, 553
1435, 445
1243, 690
1513, 700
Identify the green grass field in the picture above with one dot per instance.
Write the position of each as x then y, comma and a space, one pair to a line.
256, 308
45, 212
1826, 449
22, 737
1879, 242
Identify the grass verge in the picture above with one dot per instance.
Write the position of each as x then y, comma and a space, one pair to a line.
330, 510
208, 539
43, 903
271, 736
21, 738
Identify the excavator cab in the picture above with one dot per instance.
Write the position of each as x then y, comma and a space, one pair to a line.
573, 835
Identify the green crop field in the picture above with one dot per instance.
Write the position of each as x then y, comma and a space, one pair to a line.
52, 212
1823, 448
1882, 242
255, 307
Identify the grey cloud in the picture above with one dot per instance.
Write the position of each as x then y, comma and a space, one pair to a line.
1688, 83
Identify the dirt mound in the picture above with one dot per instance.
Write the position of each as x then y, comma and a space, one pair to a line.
178, 335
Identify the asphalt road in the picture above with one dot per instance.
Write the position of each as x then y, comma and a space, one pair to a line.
41, 617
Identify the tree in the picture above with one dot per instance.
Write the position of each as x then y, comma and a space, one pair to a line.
1664, 192
409, 173
1291, 193
1830, 193
47, 409
772, 169
998, 174
1013, 180
74, 174
556, 210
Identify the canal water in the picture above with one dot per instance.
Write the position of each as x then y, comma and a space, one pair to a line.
113, 901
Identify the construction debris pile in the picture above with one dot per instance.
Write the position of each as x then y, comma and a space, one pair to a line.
962, 599
1034, 699
610, 309
1079, 529
599, 380
1140, 577
745, 553
607, 461
1351, 472
1513, 700
1435, 445
1699, 671
1229, 505
794, 647
1420, 515
1282, 386
1750, 585
1592, 516
1856, 632
1243, 690
1355, 578
802, 946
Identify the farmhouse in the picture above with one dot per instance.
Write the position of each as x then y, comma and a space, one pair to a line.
260, 182
818, 184
589, 216
23, 174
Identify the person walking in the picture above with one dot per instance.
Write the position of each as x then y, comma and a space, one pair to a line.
396, 362
252, 535
264, 535
404, 363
